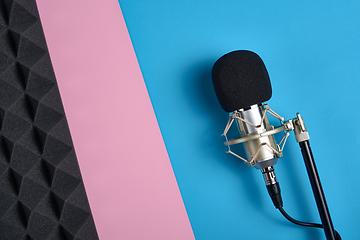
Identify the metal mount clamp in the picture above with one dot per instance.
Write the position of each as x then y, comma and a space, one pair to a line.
301, 134
270, 130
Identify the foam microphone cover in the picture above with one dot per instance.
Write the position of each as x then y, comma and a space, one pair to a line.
42, 194
240, 80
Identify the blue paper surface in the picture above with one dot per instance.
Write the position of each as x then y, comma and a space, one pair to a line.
311, 50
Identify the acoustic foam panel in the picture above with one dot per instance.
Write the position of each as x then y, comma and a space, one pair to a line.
127, 173
42, 195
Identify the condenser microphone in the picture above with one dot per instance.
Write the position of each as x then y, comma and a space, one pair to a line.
242, 84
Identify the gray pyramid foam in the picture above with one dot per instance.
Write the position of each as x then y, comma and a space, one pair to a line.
42, 195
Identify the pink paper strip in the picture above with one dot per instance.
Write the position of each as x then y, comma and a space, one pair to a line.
128, 177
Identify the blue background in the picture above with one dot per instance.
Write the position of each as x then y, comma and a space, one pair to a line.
311, 50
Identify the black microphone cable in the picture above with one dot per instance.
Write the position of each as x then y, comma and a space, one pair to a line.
275, 195
305, 224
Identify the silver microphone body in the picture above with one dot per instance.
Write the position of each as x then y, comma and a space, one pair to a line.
259, 147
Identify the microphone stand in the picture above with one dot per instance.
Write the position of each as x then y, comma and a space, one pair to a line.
254, 147
302, 137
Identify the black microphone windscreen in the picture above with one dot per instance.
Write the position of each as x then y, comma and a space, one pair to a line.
240, 80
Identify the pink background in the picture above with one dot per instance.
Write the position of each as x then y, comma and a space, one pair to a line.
128, 177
